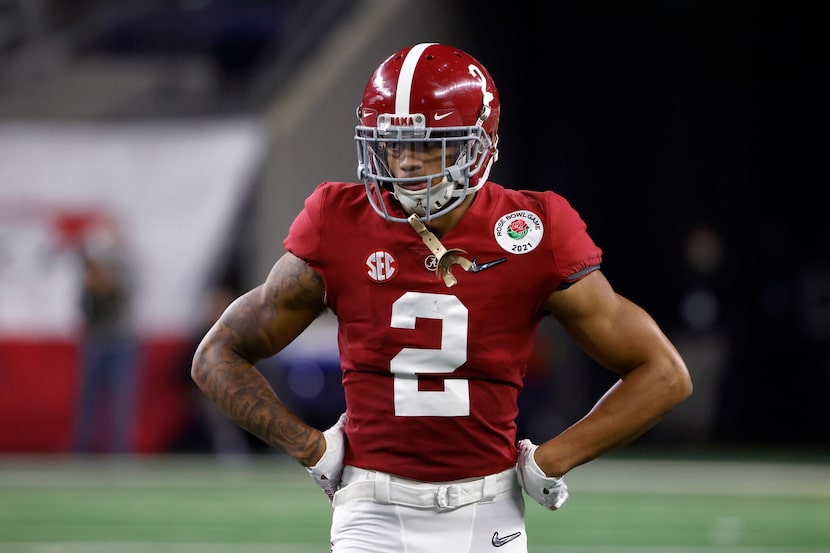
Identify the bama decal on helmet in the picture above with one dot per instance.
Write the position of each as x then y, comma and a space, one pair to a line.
381, 266
386, 120
519, 232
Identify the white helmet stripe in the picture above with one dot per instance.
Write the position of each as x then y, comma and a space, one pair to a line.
404, 88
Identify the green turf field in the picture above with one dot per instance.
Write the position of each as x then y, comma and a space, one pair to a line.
195, 504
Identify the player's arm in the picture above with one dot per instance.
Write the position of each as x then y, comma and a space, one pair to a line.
257, 325
625, 339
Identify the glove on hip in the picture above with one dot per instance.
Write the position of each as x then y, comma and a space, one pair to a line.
329, 469
549, 491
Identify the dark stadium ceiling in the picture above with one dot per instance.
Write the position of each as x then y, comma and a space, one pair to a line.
129, 58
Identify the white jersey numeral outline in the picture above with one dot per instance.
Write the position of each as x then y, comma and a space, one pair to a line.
454, 399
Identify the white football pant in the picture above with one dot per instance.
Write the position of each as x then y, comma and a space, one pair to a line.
375, 512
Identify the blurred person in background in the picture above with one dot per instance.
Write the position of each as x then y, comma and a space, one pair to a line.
224, 437
532, 419
439, 280
109, 346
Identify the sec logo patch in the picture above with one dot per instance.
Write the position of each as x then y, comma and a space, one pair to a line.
519, 232
381, 266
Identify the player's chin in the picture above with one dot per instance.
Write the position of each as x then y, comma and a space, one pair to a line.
412, 186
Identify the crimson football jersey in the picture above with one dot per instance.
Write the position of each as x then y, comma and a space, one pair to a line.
431, 373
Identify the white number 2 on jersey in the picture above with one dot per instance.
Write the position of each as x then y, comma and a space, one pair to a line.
454, 400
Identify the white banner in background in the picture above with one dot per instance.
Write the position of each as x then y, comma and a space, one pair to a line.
172, 187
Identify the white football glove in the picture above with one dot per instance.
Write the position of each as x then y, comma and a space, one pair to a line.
549, 491
329, 468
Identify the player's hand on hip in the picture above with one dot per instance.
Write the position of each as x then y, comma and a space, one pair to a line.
549, 491
329, 469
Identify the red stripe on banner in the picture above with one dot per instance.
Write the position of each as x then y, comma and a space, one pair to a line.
167, 394
37, 391
39, 382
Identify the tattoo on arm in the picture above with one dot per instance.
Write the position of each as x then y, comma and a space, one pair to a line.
258, 325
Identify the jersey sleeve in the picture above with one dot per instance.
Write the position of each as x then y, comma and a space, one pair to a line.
304, 238
574, 251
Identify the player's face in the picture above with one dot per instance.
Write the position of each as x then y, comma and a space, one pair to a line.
415, 159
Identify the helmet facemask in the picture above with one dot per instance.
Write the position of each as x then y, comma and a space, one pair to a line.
449, 186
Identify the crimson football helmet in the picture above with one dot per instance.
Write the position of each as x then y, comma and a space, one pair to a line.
427, 96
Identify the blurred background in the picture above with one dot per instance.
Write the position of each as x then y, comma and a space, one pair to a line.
154, 152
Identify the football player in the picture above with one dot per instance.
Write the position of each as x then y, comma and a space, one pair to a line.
438, 279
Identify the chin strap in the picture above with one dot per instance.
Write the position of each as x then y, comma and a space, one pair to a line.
446, 258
